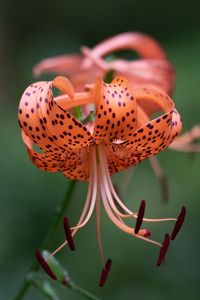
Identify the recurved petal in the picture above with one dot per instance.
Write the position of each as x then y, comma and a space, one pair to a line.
116, 115
176, 125
73, 164
154, 135
48, 125
45, 161
143, 44
74, 66
157, 73
30, 118
63, 64
152, 100
78, 166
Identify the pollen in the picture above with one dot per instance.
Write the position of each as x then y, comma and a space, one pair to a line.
163, 249
105, 272
68, 233
140, 216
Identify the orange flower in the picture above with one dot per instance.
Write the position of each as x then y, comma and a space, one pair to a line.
121, 136
151, 68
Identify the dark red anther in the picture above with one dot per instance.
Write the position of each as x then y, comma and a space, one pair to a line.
105, 272
163, 249
45, 265
179, 223
140, 217
68, 233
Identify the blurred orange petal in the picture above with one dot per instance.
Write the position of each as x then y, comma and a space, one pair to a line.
151, 68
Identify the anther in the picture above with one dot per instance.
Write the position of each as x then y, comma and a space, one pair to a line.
105, 272
68, 233
45, 265
140, 217
179, 223
163, 249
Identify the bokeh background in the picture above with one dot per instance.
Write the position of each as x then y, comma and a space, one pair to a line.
33, 30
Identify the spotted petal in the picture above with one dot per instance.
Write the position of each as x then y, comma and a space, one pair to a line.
46, 123
116, 115
73, 164
119, 158
155, 135
62, 139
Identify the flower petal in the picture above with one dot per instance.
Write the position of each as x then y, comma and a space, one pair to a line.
78, 168
63, 64
43, 160
149, 72
152, 100
119, 158
143, 44
73, 164
116, 115
46, 123
72, 66
155, 135
62, 138
152, 67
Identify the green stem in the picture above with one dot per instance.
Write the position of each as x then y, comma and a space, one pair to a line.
82, 292
60, 212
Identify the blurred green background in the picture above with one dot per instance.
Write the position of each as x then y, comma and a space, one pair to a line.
33, 30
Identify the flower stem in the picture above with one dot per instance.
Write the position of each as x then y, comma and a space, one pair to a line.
60, 212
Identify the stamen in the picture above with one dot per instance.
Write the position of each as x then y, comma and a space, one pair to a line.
45, 265
129, 214
140, 216
108, 204
105, 272
68, 233
163, 250
93, 182
98, 229
89, 203
179, 223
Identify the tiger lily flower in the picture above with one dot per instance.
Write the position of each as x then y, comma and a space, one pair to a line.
152, 68
119, 137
